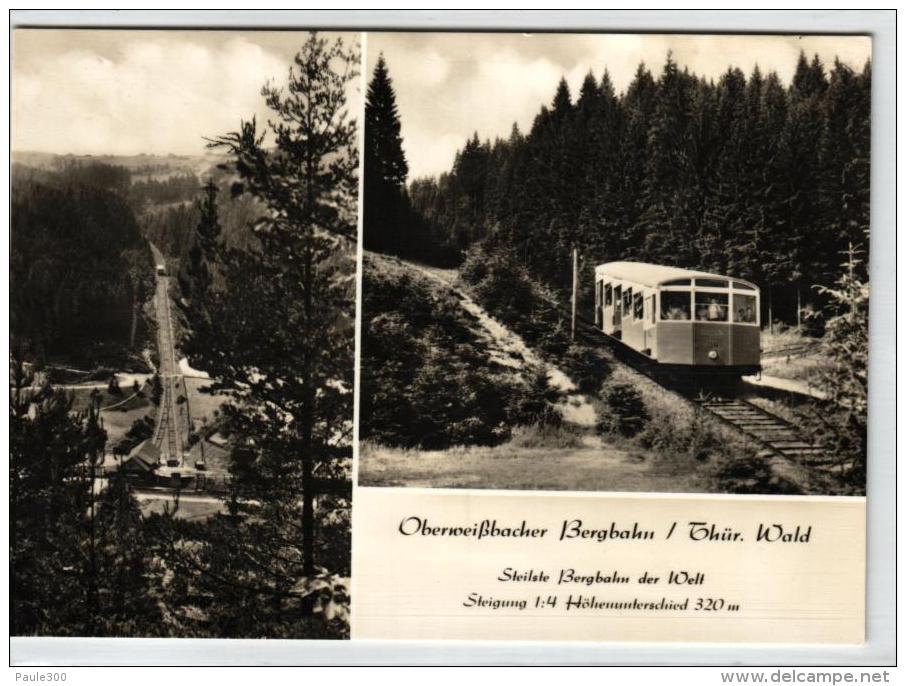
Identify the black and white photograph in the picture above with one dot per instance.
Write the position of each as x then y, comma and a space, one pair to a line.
616, 262
378, 337
183, 229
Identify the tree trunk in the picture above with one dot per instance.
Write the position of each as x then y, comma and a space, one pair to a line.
308, 518
134, 325
92, 552
308, 394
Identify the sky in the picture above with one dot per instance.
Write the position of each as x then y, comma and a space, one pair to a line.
130, 92
451, 85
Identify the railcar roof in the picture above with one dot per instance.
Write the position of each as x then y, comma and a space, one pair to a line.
646, 274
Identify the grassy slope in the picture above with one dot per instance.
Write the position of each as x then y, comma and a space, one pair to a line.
119, 420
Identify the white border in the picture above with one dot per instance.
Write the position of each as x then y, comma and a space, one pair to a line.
880, 645
363, 43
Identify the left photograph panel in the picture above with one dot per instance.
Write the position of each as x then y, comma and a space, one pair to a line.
183, 225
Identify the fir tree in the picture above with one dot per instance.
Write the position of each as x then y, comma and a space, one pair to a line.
385, 165
198, 274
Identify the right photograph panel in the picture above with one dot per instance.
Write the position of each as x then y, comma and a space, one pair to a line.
616, 263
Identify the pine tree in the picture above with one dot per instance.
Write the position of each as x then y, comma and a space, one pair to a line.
845, 380
278, 336
65, 552
638, 105
385, 165
844, 150
725, 217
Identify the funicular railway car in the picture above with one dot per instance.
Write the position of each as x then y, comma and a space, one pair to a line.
684, 320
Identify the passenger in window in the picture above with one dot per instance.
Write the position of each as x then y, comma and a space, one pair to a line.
714, 312
744, 314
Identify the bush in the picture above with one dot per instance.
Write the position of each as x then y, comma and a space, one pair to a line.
588, 367
427, 380
533, 403
113, 387
157, 389
627, 414
752, 474
141, 429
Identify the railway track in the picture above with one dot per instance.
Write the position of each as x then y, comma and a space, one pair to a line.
790, 350
772, 432
167, 435
767, 429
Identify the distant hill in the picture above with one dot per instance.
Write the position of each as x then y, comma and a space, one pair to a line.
140, 166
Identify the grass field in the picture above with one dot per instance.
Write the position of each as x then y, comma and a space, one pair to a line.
508, 467
189, 507
587, 468
119, 420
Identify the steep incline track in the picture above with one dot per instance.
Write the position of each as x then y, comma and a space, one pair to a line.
167, 434
767, 429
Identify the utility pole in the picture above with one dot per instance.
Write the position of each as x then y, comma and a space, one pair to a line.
575, 292
851, 266
799, 309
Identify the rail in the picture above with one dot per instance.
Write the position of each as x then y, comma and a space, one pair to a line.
768, 430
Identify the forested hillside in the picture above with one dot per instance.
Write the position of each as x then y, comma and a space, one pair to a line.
79, 268
746, 176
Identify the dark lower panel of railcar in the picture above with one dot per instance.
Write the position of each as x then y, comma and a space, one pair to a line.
681, 375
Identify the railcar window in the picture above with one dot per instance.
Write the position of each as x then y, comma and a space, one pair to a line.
598, 285
627, 301
711, 307
739, 286
654, 308
675, 305
711, 283
638, 306
608, 295
744, 311
678, 282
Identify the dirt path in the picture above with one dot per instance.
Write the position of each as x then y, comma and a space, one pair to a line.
509, 349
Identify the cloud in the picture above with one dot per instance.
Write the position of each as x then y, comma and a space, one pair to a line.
152, 92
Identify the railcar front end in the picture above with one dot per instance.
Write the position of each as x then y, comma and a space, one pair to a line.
681, 318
